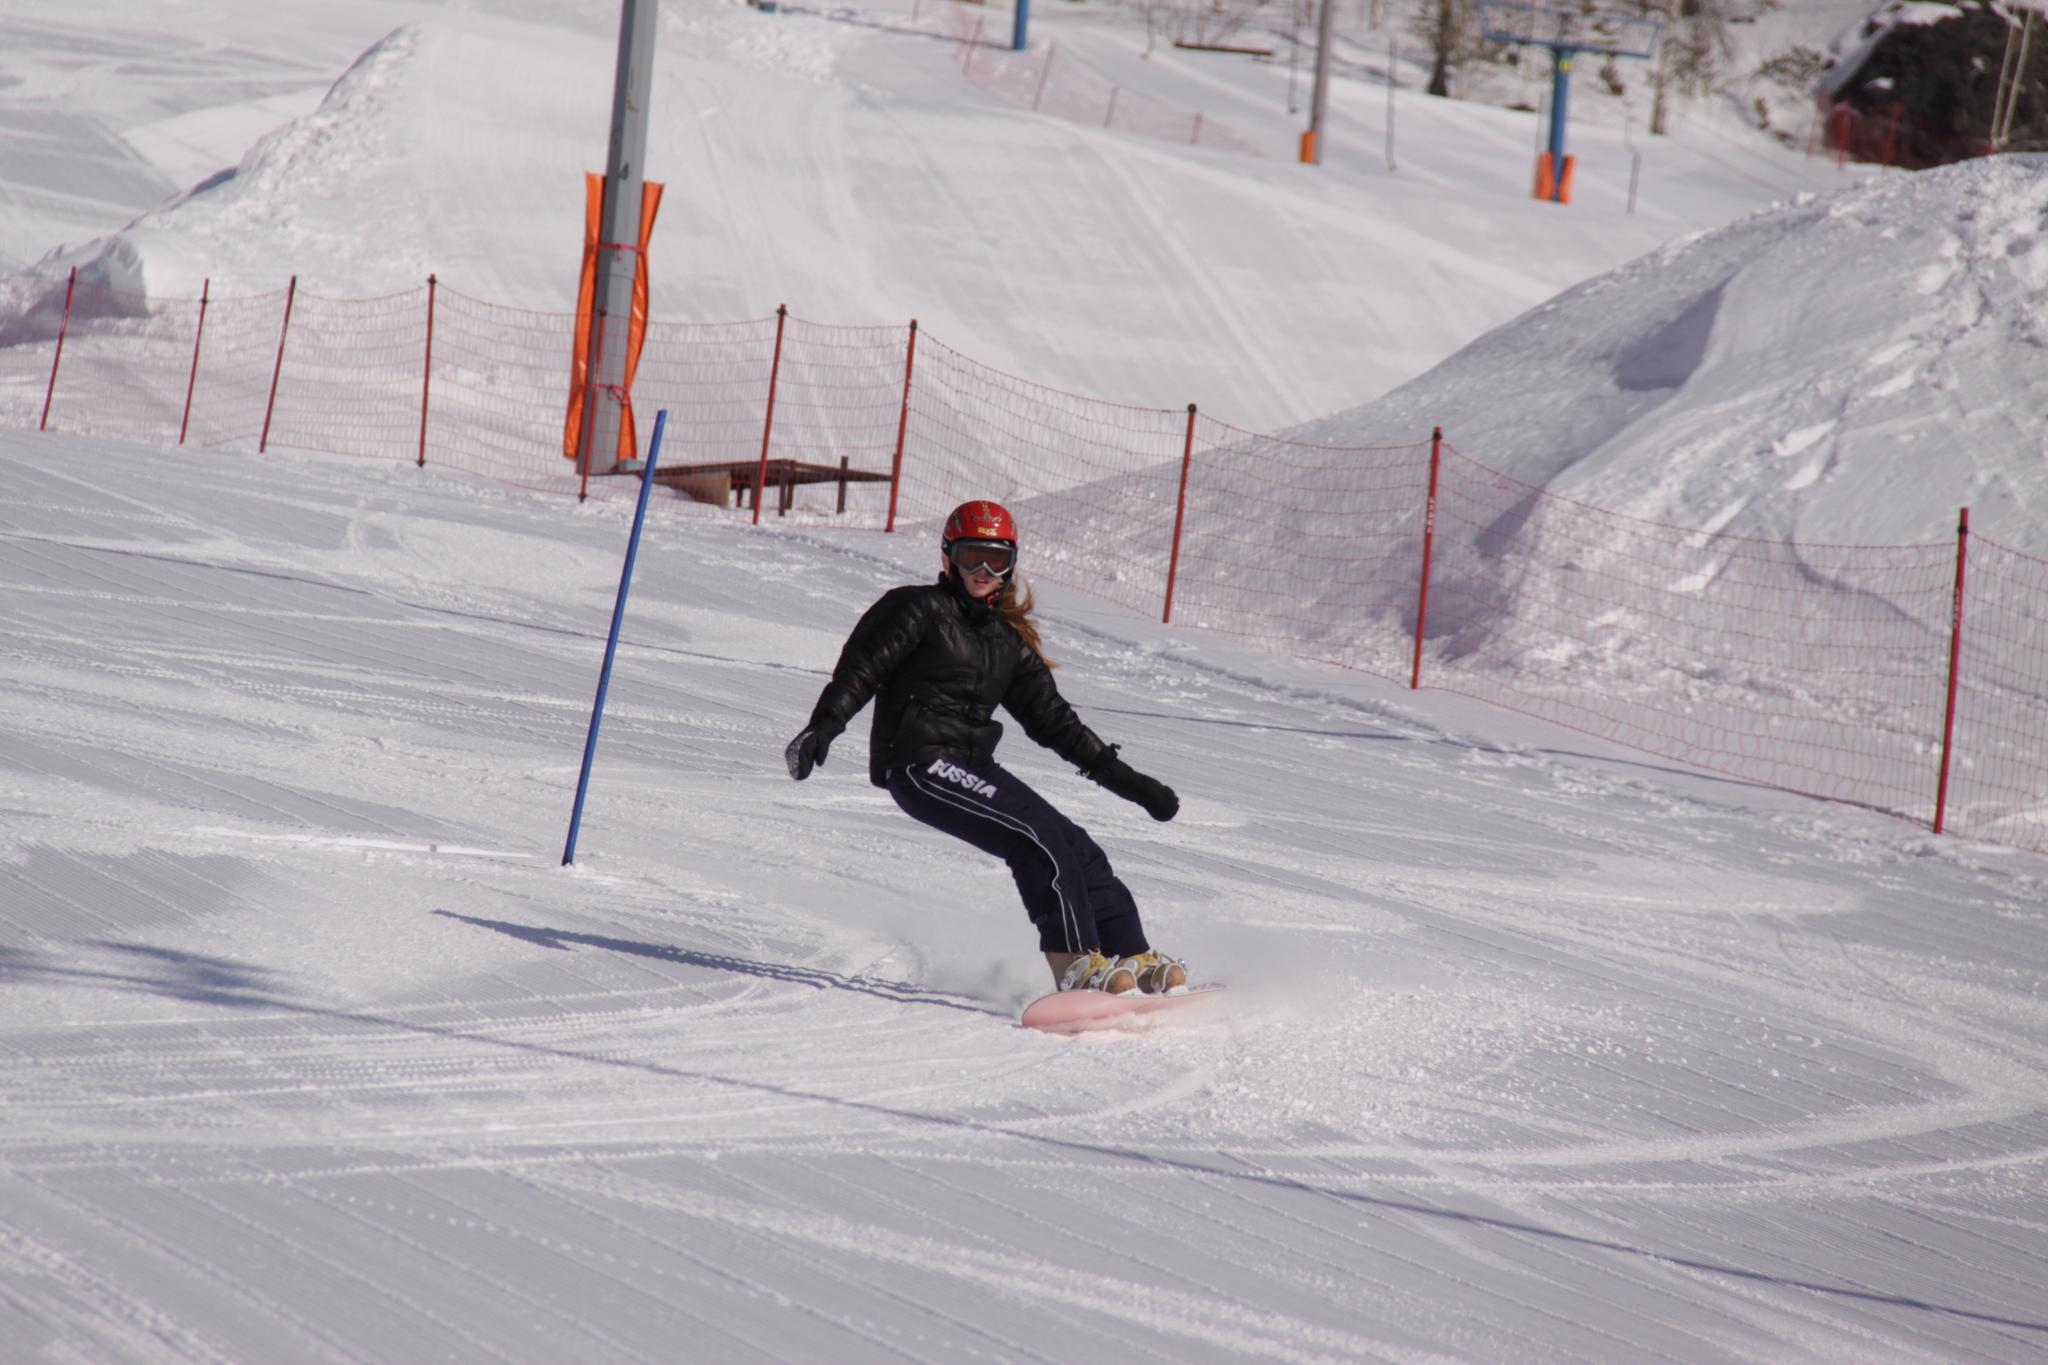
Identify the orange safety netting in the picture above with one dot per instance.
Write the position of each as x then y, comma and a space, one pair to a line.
1813, 668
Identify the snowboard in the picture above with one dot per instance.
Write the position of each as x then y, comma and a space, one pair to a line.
1097, 1012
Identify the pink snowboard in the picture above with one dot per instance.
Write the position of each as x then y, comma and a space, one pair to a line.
1096, 1011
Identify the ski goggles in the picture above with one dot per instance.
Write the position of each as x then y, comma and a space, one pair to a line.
994, 556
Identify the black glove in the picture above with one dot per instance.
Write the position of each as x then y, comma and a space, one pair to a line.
808, 749
1120, 777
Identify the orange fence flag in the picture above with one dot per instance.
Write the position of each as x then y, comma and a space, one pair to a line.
586, 315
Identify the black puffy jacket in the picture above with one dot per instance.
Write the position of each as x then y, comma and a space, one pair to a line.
937, 664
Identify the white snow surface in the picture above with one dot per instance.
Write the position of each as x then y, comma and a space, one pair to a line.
1539, 1049
313, 1052
838, 161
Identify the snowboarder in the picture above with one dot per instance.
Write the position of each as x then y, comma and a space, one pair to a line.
938, 659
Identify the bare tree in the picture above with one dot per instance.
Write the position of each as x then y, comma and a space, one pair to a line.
1450, 31
1691, 58
1200, 22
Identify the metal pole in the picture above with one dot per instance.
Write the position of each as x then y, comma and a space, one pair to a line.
618, 234
2004, 78
1436, 457
1319, 96
1020, 26
1293, 48
2019, 72
2010, 82
590, 390
1635, 160
277, 372
1044, 74
1955, 649
192, 381
768, 424
611, 644
57, 359
902, 427
1393, 62
1180, 513
427, 374
1560, 97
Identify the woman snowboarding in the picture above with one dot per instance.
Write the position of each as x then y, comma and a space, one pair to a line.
937, 660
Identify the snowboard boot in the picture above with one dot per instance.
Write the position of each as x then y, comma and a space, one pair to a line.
1091, 972
1157, 973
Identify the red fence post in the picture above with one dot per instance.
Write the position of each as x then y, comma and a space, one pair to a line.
1955, 650
57, 359
290, 293
1180, 514
902, 427
192, 380
1436, 458
768, 426
427, 375
1044, 74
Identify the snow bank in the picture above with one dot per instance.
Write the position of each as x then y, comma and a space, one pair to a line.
1845, 369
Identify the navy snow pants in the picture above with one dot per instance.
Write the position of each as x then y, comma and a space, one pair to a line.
1069, 889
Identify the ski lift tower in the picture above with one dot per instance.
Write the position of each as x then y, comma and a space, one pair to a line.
1566, 31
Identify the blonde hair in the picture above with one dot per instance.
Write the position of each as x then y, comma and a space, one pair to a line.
1017, 611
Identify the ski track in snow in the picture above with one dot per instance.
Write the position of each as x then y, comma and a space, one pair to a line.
312, 1052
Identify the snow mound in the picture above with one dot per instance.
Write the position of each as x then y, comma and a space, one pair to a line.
1826, 371
420, 158
255, 212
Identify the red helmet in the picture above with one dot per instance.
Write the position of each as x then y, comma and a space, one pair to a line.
979, 520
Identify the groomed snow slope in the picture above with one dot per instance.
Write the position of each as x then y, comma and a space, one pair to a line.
312, 1053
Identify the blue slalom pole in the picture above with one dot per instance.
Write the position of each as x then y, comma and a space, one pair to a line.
611, 646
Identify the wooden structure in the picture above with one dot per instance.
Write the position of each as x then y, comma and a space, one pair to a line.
717, 481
